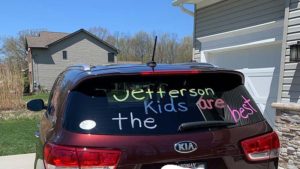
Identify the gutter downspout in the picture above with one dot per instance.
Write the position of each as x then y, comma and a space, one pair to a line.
183, 9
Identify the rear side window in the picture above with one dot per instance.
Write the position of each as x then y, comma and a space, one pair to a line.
152, 105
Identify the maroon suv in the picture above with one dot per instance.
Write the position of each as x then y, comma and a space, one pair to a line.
137, 117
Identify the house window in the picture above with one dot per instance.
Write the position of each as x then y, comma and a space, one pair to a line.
111, 57
65, 55
295, 52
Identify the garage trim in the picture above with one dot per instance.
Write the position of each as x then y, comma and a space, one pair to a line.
265, 42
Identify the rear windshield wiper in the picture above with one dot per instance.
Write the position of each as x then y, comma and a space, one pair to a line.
204, 124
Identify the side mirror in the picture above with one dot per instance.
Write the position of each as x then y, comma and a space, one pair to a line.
36, 105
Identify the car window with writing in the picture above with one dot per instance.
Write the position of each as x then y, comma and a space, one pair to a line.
158, 105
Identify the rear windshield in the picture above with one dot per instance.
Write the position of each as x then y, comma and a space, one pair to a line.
149, 105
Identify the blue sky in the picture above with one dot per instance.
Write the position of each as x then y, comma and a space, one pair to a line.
126, 16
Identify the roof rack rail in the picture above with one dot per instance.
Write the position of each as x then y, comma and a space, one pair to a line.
84, 67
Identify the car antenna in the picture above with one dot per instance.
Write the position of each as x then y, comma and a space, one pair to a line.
152, 63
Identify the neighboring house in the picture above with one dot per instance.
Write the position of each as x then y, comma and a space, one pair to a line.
255, 37
52, 52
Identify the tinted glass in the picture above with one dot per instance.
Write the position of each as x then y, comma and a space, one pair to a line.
143, 105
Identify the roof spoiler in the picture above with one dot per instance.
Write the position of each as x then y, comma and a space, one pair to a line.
84, 67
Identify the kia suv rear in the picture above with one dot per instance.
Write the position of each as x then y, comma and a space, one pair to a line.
135, 117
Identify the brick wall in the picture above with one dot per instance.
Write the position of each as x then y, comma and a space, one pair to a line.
288, 128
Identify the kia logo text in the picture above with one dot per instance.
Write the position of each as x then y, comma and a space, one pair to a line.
185, 147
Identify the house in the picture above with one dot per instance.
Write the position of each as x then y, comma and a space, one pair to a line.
51, 52
255, 37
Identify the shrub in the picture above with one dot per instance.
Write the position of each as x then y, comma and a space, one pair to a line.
11, 87
26, 83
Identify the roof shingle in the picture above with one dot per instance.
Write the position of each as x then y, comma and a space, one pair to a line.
44, 39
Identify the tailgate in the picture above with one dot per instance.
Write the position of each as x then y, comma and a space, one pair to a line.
215, 149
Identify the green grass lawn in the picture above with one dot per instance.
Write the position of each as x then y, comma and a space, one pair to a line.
43, 96
17, 136
17, 128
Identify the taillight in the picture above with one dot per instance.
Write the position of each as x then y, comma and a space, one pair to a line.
263, 147
61, 157
171, 72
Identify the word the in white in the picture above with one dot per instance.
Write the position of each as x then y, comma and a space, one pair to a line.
135, 122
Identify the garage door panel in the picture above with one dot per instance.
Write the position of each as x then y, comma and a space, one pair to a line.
256, 57
261, 67
257, 82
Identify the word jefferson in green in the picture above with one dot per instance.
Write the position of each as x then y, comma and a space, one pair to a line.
141, 94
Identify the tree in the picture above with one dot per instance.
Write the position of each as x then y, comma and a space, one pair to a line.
15, 56
14, 52
185, 50
123, 45
101, 33
171, 47
142, 45
139, 47
167, 48
14, 49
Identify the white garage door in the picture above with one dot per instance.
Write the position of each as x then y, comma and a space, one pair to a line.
260, 66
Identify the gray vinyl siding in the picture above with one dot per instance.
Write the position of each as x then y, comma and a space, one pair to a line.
81, 49
231, 15
291, 71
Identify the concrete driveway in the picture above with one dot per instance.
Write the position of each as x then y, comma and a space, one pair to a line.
22, 161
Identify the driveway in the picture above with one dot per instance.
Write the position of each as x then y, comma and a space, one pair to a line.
22, 161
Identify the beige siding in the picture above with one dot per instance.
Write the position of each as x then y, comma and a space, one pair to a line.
81, 49
291, 74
